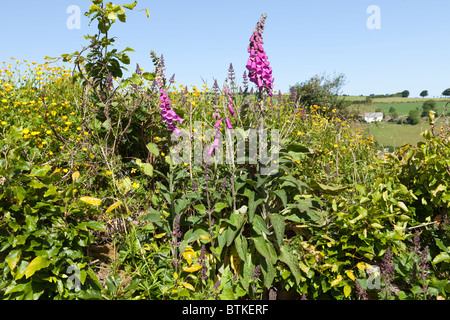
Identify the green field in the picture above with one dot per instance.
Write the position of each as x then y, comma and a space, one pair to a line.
391, 135
401, 105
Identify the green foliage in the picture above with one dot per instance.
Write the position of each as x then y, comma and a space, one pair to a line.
315, 227
405, 94
322, 91
413, 117
43, 229
427, 106
446, 92
424, 93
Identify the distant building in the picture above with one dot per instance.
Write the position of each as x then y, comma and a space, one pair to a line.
374, 116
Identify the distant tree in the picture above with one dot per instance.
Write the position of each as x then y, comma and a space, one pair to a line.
322, 90
378, 110
394, 115
405, 94
413, 117
424, 93
392, 110
428, 105
446, 92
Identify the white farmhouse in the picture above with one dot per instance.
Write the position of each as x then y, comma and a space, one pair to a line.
374, 116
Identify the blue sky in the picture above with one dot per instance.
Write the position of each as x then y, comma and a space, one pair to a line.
199, 39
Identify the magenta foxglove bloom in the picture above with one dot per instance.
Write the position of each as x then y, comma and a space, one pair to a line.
218, 123
215, 144
259, 70
168, 115
228, 122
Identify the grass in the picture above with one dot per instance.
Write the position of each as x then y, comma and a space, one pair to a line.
391, 135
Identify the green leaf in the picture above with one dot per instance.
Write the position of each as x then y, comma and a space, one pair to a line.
200, 208
40, 171
278, 226
130, 6
220, 206
259, 225
36, 264
51, 191
441, 257
442, 246
287, 257
262, 246
112, 16
241, 246
148, 76
153, 148
268, 271
21, 270
236, 221
12, 258
326, 189
297, 147
20, 194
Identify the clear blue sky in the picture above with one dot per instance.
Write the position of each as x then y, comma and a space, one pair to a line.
199, 39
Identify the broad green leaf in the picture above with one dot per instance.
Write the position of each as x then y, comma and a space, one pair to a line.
200, 208
287, 257
441, 257
268, 270
220, 206
52, 190
236, 220
40, 171
326, 189
36, 264
282, 195
442, 246
278, 226
12, 258
241, 247
262, 246
402, 206
153, 148
259, 225
20, 194
21, 270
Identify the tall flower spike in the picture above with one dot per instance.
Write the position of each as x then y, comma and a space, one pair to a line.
168, 115
260, 72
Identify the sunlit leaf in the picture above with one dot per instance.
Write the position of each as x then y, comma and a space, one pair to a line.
113, 206
36, 264
159, 235
188, 286
350, 274
91, 200
336, 281
347, 290
193, 268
